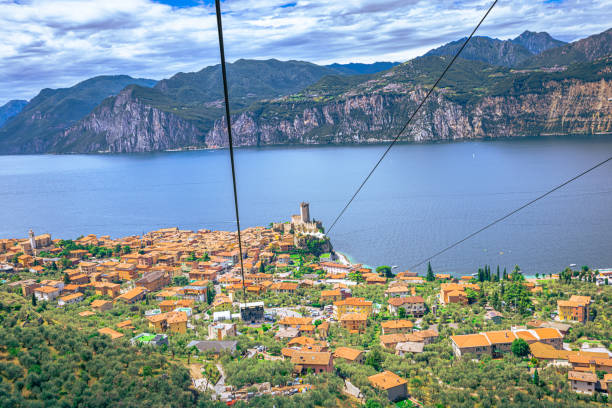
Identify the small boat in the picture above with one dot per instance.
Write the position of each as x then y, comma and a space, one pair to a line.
572, 265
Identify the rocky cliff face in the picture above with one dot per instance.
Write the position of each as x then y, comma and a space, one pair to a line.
567, 107
127, 124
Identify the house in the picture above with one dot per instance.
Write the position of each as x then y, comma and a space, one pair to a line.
100, 305
284, 287
170, 305
68, 299
398, 291
110, 332
409, 347
354, 322
47, 293
374, 279
575, 309
109, 289
352, 305
154, 281
88, 268
393, 384
126, 271
456, 292
175, 322
328, 296
79, 279
396, 326
133, 295
426, 336
318, 362
296, 322
390, 340
582, 382
477, 344
333, 267
323, 329
219, 331
221, 316
217, 346
412, 305
287, 333
350, 354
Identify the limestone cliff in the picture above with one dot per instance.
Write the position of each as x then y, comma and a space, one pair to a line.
560, 108
125, 123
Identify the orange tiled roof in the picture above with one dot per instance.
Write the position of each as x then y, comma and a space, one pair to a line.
386, 380
470, 340
347, 353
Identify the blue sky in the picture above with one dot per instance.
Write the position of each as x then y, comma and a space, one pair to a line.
57, 43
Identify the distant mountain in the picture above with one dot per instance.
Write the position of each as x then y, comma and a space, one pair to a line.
537, 42
54, 110
585, 50
358, 68
10, 109
485, 49
507, 53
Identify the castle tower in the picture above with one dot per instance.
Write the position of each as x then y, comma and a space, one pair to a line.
305, 212
32, 240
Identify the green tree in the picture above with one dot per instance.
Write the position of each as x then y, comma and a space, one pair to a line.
33, 300
127, 249
374, 358
385, 271
66, 279
401, 313
180, 281
519, 348
536, 377
430, 277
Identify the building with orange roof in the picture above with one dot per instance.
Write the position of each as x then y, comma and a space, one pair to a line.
455, 292
582, 382
393, 384
477, 344
170, 304
586, 362
396, 326
398, 291
100, 305
412, 305
48, 293
175, 322
575, 309
88, 267
352, 305
328, 296
350, 354
297, 322
71, 298
110, 332
284, 287
318, 362
133, 295
354, 322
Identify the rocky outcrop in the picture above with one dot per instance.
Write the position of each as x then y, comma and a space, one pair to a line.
127, 124
567, 107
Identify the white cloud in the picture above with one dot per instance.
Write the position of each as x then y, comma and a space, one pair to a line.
48, 43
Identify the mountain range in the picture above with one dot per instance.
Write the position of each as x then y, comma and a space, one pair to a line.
528, 86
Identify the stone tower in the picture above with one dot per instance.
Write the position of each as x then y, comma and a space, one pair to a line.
32, 240
305, 212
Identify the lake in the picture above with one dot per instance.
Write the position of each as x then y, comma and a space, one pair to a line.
422, 198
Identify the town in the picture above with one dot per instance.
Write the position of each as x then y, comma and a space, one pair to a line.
303, 323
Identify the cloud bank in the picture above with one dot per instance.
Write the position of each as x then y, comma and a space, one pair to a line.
57, 43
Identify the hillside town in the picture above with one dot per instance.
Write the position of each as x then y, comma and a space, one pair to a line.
302, 311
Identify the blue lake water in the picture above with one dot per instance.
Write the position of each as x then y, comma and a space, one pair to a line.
422, 198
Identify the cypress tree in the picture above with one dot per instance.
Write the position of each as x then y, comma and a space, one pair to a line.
430, 275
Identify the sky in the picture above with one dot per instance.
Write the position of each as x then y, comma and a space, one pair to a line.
58, 43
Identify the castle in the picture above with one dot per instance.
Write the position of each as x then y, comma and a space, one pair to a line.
300, 223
